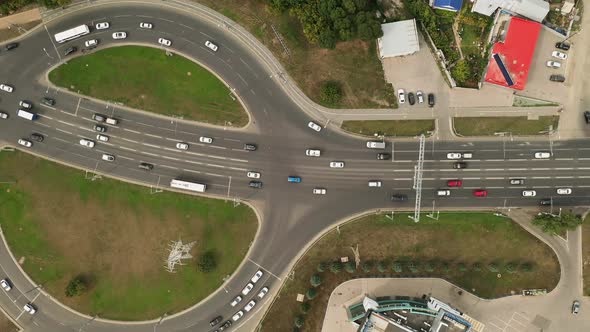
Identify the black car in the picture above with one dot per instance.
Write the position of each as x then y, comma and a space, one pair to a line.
431, 99
47, 101
146, 166
399, 197
10, 46
545, 201
37, 137
225, 325
411, 98
557, 78
383, 156
460, 165
70, 50
250, 147
587, 116
216, 321
100, 129
562, 46
255, 184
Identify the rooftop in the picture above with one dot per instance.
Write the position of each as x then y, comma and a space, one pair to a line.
399, 38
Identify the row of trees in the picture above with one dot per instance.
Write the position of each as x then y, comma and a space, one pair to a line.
9, 6
326, 22
557, 224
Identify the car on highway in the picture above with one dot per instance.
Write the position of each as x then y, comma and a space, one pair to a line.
587, 117
411, 98
319, 191
376, 145
564, 191
443, 192
91, 43
480, 193
420, 96
47, 101
262, 292
238, 315
313, 153
108, 157
460, 165
236, 300
29, 308
36, 137
87, 143
553, 64
294, 179
25, 104
399, 197
336, 164
562, 46
225, 325
119, 35
164, 41
546, 201
216, 321
98, 117
146, 25
256, 276
205, 139
146, 166
25, 142
11, 46
559, 55
375, 184
102, 138
211, 46
314, 126
3, 115
454, 155
516, 182
253, 175
250, 147
255, 184
529, 193
557, 78
70, 50
182, 146
454, 183
575, 307
6, 88
542, 155
250, 305
431, 99
99, 128
102, 25
5, 284
383, 156
401, 96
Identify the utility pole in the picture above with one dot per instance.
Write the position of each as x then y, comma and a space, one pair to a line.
418, 169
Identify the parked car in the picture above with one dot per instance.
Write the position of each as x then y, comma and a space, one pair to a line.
319, 191
443, 192
25, 104
225, 325
454, 183
454, 155
587, 116
255, 184
5, 285
247, 289
262, 292
108, 157
253, 175
431, 99
87, 143
420, 96
516, 182
102, 138
460, 165
29, 308
164, 41
205, 139
250, 305
411, 98
256, 276
91, 43
559, 55
98, 117
215, 321
211, 46
250, 147
312, 153
6, 88
238, 315
37, 137
383, 156
182, 146
564, 191
47, 101
562, 46
336, 164
294, 179
102, 25
236, 300
529, 193
146, 166
25, 142
546, 201
119, 35
314, 126
99, 128
401, 96
3, 115
11, 46
480, 193
557, 78
553, 64
70, 50
145, 25
399, 197
576, 307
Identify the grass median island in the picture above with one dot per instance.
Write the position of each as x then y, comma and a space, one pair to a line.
116, 236
517, 125
391, 128
145, 78
467, 249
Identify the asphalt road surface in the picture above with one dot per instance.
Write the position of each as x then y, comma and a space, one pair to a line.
292, 214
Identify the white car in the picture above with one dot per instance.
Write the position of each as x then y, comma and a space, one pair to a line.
182, 146
211, 46
250, 305
145, 25
375, 183
337, 164
25, 104
238, 315
108, 157
453, 155
6, 87
312, 153
559, 55
205, 139
25, 143
29, 308
262, 292
3, 115
5, 285
542, 155
253, 175
235, 301
102, 25
420, 96
91, 43
401, 96
165, 42
119, 35
102, 138
553, 64
529, 193
319, 191
564, 191
444, 192
87, 143
314, 126
247, 289
257, 276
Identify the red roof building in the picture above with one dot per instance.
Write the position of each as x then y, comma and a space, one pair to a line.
511, 58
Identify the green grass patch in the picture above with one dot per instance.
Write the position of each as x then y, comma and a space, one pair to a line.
470, 37
145, 78
454, 239
586, 254
395, 128
518, 125
116, 235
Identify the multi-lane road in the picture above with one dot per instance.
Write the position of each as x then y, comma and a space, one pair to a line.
291, 215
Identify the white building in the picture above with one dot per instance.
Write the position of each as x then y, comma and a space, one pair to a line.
399, 38
536, 10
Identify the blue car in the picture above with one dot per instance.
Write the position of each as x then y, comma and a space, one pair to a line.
294, 179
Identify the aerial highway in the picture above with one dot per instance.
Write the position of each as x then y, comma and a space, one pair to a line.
292, 215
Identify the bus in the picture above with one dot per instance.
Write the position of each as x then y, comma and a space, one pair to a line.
192, 186
72, 33
26, 115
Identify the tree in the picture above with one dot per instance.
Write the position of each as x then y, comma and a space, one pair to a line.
299, 320
510, 267
397, 266
527, 267
382, 266
331, 92
311, 293
429, 266
315, 280
462, 267
336, 267
305, 306
476, 267
493, 267
76, 286
553, 224
367, 266
414, 266
207, 261
460, 71
322, 266
350, 267
446, 267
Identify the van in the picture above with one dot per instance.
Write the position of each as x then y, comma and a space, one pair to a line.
112, 121
26, 115
375, 145
374, 183
443, 193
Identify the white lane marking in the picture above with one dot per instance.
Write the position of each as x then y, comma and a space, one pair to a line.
492, 160
171, 158
541, 187
150, 154
194, 162
238, 160
123, 157
166, 166
517, 159
218, 147
403, 170
45, 116
126, 148
564, 168
584, 168
583, 158
67, 123
64, 131
172, 139
493, 169
214, 165
129, 140
133, 131
190, 170
540, 169
403, 179
61, 139
171, 149
144, 124
518, 169
151, 135
564, 177
238, 169
44, 125
218, 175
471, 178
541, 177
564, 158
152, 145
496, 178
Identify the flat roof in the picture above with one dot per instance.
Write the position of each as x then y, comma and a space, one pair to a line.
452, 5
399, 38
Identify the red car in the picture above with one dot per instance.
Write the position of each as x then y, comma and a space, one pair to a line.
480, 193
454, 183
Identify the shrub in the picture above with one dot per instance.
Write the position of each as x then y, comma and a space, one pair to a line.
476, 267
305, 306
350, 267
382, 266
527, 267
429, 266
510, 267
397, 267
331, 92
414, 267
322, 266
299, 321
315, 280
207, 262
311, 293
493, 267
367, 266
336, 267
446, 267
462, 267
76, 286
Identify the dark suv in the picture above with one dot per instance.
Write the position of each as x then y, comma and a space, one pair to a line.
70, 50
431, 99
383, 156
10, 46
225, 325
47, 101
587, 116
562, 46
146, 166
216, 321
37, 137
255, 184
250, 147
460, 165
399, 197
557, 78
545, 202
